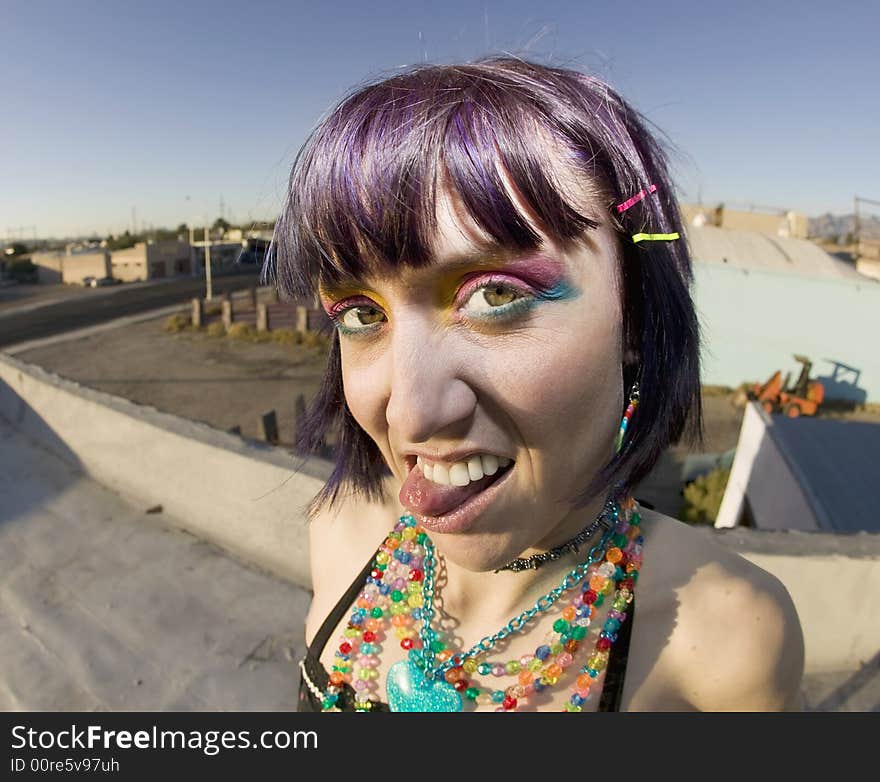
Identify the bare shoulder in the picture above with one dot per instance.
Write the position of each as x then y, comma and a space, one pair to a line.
341, 540
733, 637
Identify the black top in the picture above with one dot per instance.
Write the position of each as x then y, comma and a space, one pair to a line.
611, 689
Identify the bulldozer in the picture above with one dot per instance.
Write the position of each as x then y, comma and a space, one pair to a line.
778, 395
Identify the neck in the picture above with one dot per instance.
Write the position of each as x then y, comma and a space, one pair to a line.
479, 597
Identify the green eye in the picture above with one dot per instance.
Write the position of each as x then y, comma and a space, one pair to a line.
491, 300
352, 318
496, 299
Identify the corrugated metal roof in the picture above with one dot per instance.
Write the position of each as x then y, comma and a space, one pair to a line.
753, 250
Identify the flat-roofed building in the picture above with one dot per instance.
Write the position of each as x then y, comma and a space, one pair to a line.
71, 267
772, 222
761, 299
150, 261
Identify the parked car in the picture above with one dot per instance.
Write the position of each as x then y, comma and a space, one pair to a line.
100, 282
87, 281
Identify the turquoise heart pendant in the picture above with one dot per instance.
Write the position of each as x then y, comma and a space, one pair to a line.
409, 690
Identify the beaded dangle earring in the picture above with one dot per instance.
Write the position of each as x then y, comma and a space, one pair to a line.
627, 416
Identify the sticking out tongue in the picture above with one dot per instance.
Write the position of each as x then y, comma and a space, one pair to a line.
427, 498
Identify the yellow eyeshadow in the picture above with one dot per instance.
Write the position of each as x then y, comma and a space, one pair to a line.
446, 284
337, 294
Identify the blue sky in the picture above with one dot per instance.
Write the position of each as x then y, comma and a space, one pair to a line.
167, 107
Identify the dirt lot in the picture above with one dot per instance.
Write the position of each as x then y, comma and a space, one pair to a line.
223, 382
228, 383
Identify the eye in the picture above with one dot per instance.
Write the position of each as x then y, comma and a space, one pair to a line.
356, 317
481, 299
495, 298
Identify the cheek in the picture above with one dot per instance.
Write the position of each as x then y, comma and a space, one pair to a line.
360, 385
570, 399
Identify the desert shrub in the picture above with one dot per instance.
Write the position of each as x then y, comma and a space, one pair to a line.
176, 323
702, 498
216, 329
286, 336
241, 331
314, 339
262, 336
308, 339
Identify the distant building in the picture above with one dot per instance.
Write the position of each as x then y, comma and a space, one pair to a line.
71, 267
771, 222
231, 255
868, 257
763, 298
150, 261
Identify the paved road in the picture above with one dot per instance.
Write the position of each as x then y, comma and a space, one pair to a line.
79, 312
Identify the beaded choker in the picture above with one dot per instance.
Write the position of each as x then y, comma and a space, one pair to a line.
396, 604
536, 560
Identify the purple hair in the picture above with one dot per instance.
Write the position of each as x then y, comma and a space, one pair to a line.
362, 195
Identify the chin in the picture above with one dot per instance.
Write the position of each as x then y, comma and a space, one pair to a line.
476, 553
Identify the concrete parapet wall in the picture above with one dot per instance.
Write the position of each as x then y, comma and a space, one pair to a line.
833, 580
250, 499
246, 497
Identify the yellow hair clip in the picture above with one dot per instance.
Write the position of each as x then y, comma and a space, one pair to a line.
655, 237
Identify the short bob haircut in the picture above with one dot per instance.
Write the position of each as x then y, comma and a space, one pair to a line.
361, 197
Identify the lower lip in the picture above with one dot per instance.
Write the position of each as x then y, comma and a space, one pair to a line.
463, 517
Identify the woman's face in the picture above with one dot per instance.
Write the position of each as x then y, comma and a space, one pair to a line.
517, 356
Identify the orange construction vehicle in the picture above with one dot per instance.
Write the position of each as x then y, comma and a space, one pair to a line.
802, 398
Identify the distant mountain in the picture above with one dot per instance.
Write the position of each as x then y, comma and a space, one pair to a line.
840, 227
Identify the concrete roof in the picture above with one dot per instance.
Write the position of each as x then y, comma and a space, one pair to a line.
753, 250
104, 607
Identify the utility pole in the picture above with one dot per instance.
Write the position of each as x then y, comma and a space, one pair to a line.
207, 263
192, 250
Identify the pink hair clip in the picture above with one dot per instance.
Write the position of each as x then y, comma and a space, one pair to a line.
636, 198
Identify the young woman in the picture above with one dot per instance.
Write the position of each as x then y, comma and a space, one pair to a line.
499, 247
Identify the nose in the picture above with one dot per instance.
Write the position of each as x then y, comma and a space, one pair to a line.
428, 398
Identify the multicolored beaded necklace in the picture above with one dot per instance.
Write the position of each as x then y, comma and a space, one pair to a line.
399, 591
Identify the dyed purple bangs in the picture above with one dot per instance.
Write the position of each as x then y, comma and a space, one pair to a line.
361, 202
363, 188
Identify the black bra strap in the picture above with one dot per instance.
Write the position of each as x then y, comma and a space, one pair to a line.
326, 629
612, 689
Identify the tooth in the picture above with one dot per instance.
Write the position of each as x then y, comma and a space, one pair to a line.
458, 474
475, 467
440, 474
427, 470
503, 461
490, 463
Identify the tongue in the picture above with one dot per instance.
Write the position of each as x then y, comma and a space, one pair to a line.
431, 499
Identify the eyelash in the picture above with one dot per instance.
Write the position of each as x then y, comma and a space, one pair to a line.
523, 302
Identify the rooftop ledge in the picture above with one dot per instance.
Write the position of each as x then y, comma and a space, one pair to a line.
250, 499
